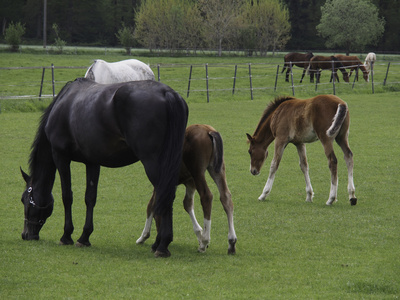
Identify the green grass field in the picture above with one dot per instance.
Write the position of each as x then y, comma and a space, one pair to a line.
286, 249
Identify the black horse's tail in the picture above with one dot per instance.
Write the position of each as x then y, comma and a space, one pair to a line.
218, 150
171, 157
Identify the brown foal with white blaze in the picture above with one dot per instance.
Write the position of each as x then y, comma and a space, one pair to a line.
290, 120
202, 150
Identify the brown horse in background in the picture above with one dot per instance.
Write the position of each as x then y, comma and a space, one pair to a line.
319, 62
352, 63
297, 59
290, 120
202, 150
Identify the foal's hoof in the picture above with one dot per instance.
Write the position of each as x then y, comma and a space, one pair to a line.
353, 201
232, 247
162, 254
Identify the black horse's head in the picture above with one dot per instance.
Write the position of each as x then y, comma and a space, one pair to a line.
37, 208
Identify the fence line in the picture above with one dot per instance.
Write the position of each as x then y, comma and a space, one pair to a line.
269, 70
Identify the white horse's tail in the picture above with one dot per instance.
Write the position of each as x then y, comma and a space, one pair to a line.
338, 120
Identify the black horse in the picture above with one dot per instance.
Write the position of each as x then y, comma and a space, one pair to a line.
110, 125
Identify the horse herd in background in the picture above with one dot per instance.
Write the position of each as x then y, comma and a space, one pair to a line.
313, 65
118, 114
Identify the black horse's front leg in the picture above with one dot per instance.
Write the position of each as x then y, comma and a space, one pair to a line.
63, 167
92, 180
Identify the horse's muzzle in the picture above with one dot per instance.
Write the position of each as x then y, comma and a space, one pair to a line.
254, 172
27, 237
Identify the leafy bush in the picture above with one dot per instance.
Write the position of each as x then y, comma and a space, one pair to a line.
13, 35
58, 42
126, 38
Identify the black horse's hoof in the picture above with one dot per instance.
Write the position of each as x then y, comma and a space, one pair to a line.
64, 242
81, 244
353, 201
162, 254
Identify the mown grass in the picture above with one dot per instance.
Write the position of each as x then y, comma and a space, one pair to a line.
287, 248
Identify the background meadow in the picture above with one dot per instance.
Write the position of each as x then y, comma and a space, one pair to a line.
286, 248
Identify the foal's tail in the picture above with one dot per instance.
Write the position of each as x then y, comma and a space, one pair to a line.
218, 150
338, 120
171, 157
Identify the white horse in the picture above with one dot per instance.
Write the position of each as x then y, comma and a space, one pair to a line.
120, 71
369, 60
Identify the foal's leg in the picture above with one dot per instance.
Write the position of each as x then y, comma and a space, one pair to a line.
147, 227
348, 157
328, 147
226, 200
206, 198
279, 148
92, 179
301, 150
188, 205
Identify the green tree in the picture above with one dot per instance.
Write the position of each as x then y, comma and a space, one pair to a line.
13, 35
126, 38
220, 19
168, 24
268, 22
350, 24
58, 42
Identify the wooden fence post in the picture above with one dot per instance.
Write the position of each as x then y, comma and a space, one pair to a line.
52, 78
208, 95
372, 76
387, 72
333, 77
291, 75
251, 83
234, 80
190, 78
276, 77
41, 84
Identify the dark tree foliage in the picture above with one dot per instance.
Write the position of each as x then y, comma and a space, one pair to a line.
304, 16
96, 22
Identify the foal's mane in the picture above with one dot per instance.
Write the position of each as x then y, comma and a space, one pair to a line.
41, 138
271, 108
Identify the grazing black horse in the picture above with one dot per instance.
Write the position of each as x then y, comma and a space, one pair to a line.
110, 125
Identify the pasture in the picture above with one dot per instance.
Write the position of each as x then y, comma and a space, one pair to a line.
175, 71
286, 248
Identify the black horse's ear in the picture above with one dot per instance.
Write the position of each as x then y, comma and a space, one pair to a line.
249, 137
26, 177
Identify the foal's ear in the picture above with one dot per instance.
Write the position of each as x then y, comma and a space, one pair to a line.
249, 137
26, 177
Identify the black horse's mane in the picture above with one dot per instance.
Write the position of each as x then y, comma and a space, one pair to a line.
271, 108
41, 138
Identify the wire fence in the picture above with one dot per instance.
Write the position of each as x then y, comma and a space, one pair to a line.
204, 81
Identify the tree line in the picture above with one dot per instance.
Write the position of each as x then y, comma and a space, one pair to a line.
258, 25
